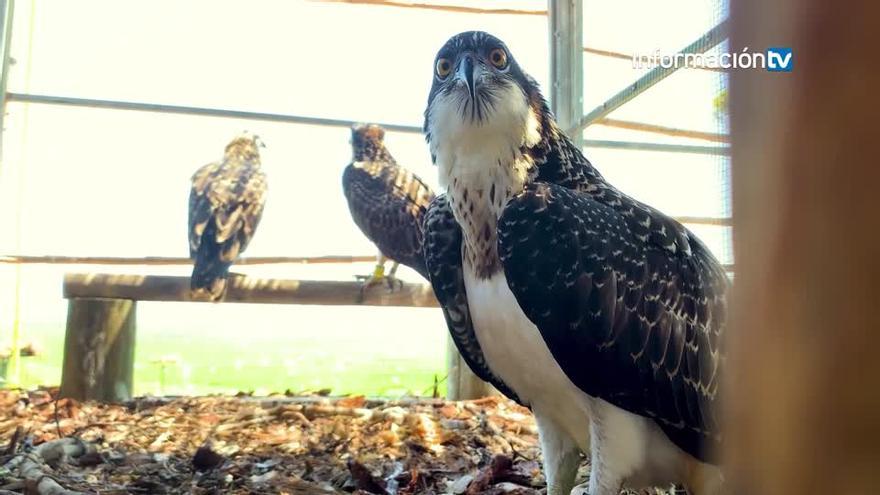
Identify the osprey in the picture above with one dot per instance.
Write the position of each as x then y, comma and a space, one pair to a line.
225, 205
387, 202
600, 313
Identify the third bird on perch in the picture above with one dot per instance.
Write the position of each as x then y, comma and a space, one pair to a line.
387, 202
225, 205
602, 314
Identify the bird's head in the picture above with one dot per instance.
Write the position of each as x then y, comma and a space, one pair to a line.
479, 92
245, 146
367, 142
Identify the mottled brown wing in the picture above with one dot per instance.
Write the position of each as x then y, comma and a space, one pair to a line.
231, 196
388, 203
200, 208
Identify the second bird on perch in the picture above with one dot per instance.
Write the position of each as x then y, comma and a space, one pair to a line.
387, 202
225, 206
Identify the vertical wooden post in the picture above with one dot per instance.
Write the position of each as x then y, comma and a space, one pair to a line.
99, 349
461, 382
803, 402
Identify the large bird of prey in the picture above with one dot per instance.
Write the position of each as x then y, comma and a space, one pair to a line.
225, 205
387, 202
600, 313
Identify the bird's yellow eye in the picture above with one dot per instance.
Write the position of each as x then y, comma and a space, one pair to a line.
498, 57
444, 67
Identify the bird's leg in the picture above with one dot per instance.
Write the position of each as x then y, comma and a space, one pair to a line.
605, 476
374, 278
392, 280
561, 456
378, 272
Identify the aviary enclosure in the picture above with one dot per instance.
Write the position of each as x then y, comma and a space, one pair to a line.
308, 367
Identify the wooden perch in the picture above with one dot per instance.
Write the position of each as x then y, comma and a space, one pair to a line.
245, 290
172, 260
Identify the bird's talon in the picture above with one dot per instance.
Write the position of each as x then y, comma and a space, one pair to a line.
393, 283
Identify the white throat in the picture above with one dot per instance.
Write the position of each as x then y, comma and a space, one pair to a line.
482, 165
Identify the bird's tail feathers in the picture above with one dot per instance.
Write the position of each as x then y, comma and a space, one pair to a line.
209, 279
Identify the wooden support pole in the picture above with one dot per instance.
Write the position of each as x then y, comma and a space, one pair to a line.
461, 382
99, 350
803, 378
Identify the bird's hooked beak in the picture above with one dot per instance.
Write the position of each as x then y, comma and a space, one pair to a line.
465, 73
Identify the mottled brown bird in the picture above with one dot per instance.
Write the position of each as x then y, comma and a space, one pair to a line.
387, 202
225, 205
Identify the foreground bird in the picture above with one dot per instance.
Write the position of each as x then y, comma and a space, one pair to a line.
387, 202
225, 205
600, 313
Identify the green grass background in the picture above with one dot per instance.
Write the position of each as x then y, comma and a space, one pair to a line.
376, 355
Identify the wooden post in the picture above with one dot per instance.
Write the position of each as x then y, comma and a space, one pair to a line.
803, 378
99, 349
462, 383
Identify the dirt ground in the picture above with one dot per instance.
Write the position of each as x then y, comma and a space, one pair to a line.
285, 445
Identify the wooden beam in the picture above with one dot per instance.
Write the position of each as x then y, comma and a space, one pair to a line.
99, 350
461, 9
717, 221
245, 290
802, 400
172, 260
664, 130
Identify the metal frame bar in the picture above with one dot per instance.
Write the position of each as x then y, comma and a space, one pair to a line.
7, 10
12, 376
702, 44
664, 130
566, 27
201, 111
299, 119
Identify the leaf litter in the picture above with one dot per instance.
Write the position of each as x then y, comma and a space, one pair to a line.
278, 444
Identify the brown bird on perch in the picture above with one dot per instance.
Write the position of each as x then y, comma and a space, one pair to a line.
225, 206
387, 202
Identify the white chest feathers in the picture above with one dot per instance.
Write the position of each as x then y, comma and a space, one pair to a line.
482, 163
626, 449
516, 353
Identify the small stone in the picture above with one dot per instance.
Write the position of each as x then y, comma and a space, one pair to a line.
460, 485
